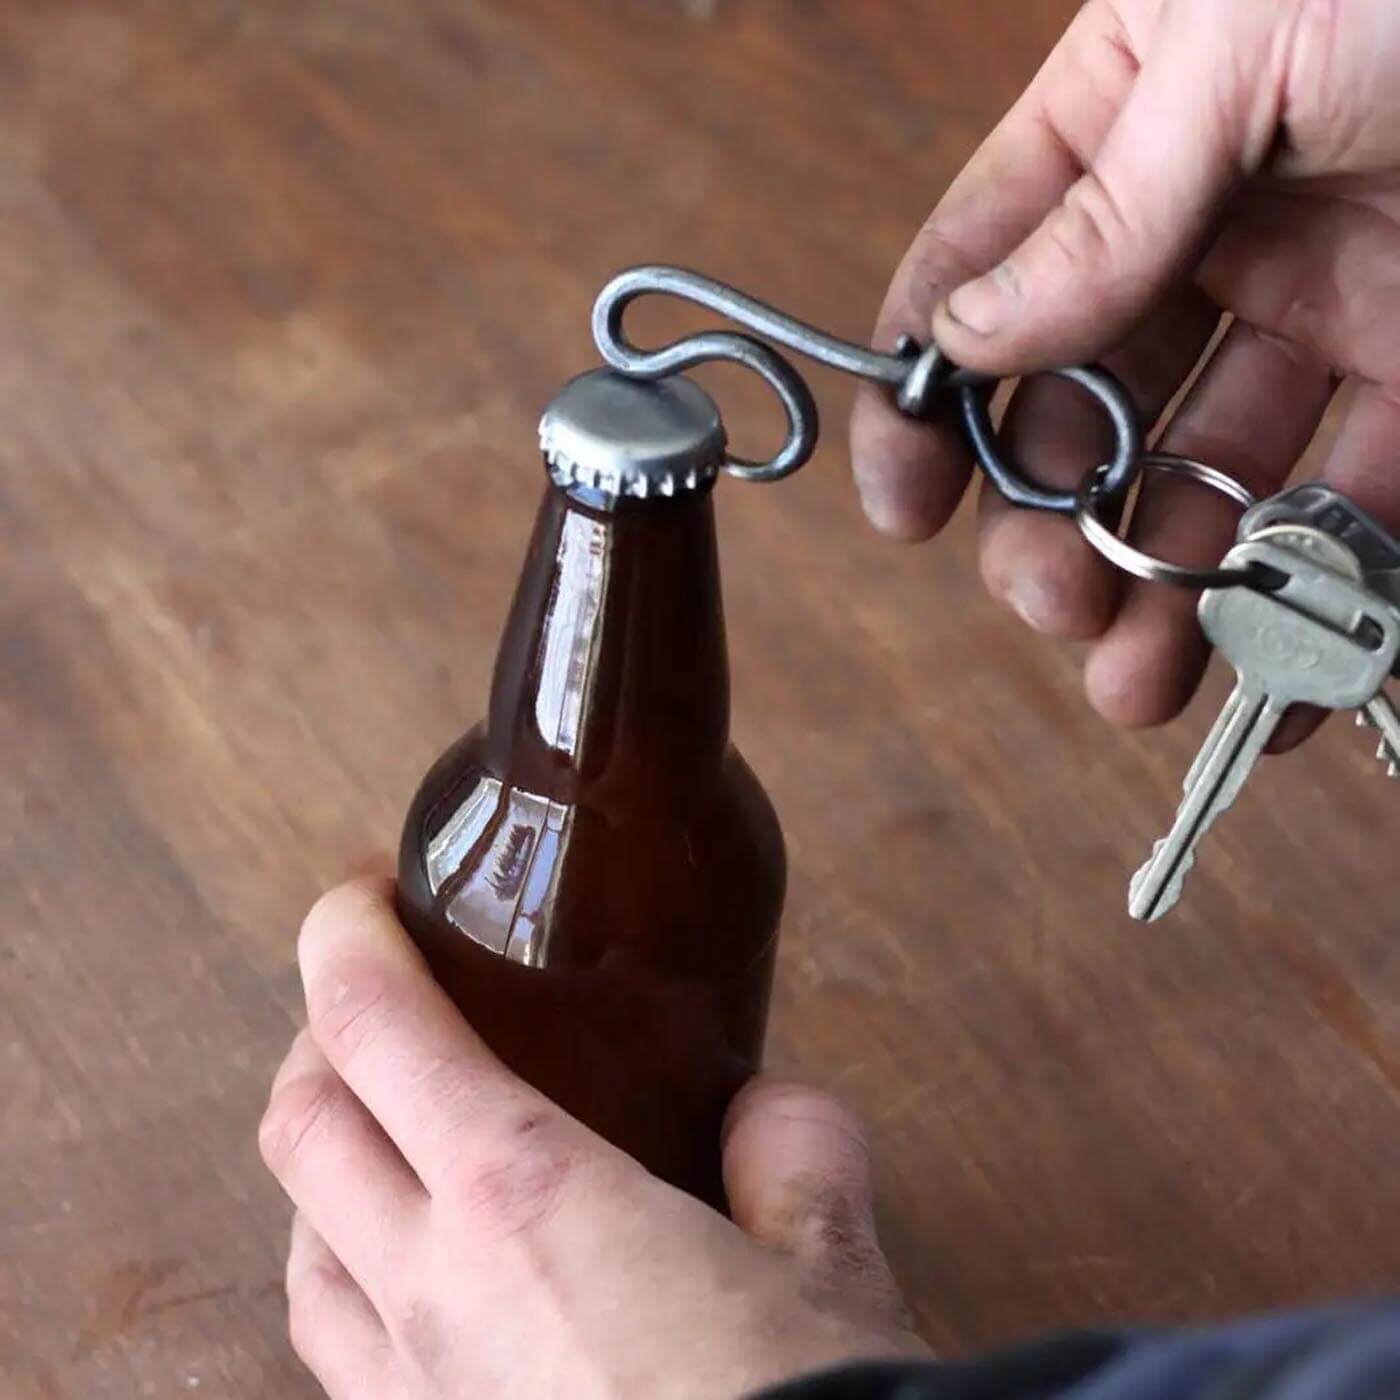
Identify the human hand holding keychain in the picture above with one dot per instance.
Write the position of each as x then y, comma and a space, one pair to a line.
1170, 162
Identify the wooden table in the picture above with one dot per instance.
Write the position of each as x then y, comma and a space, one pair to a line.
283, 289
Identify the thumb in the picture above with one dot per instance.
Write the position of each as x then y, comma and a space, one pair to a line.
1201, 114
797, 1173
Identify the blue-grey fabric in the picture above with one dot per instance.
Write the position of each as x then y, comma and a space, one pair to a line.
1349, 1352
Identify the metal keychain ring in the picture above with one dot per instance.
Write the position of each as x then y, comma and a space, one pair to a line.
1091, 500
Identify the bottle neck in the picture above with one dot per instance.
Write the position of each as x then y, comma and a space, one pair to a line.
613, 669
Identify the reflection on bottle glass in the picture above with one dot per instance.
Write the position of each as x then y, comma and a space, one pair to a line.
509, 874
571, 631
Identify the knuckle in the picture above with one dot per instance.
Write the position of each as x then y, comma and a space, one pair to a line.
296, 1115
521, 1184
1091, 223
836, 1236
834, 1223
422, 1335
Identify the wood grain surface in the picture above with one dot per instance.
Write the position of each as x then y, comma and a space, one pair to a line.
283, 289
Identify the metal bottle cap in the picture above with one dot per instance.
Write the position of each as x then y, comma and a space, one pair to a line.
627, 437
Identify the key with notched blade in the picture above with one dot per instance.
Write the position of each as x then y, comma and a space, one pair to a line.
1318, 639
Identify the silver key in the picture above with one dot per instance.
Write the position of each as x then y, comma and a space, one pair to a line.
1320, 639
1316, 545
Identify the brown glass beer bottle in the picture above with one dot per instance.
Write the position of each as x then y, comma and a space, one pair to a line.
594, 874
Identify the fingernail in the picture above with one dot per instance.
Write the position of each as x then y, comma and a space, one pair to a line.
987, 304
880, 507
1036, 605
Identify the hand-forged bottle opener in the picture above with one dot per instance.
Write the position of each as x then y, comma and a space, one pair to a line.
921, 379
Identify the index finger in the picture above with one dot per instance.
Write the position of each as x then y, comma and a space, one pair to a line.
911, 475
393, 1035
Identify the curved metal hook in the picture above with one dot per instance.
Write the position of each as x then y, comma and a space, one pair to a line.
791, 389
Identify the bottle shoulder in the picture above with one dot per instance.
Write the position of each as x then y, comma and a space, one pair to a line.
620, 800
520, 870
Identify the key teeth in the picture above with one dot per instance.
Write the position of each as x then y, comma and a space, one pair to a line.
1386, 751
1167, 896
1387, 755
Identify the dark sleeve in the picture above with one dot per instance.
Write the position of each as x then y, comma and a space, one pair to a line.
1350, 1353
